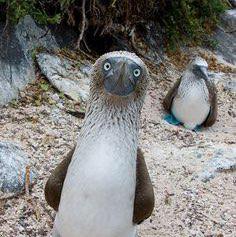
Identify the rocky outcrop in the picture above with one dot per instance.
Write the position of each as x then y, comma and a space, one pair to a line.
13, 165
222, 160
69, 77
230, 85
225, 35
16, 63
229, 20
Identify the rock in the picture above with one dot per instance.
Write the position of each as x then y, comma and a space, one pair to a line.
230, 86
229, 20
31, 36
225, 36
215, 76
16, 61
229, 82
233, 3
13, 163
226, 45
65, 75
223, 159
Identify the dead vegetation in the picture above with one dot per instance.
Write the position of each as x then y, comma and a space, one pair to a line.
105, 25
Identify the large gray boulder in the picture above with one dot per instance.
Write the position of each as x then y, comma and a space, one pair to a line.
225, 35
222, 160
16, 63
227, 80
229, 20
13, 163
230, 85
68, 76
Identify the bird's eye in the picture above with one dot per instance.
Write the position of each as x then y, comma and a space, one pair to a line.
107, 66
136, 72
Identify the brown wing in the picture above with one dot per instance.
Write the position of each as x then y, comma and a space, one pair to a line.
170, 95
144, 194
55, 182
211, 118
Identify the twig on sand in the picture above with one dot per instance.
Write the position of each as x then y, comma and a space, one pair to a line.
33, 203
27, 180
9, 196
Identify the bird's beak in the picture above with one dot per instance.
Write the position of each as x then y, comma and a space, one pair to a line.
120, 82
204, 74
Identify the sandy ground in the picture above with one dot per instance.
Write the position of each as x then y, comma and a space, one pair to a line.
185, 205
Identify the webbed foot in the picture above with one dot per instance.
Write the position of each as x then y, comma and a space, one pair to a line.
198, 128
171, 119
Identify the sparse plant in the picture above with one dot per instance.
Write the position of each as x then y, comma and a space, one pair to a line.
179, 21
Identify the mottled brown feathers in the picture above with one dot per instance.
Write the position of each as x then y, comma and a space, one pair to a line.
211, 118
167, 102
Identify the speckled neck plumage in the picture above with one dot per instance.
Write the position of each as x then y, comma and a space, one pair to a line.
107, 113
190, 80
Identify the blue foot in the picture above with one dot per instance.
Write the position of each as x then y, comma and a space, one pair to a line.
170, 118
198, 128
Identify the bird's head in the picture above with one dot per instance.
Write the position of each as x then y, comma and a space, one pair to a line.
121, 75
199, 67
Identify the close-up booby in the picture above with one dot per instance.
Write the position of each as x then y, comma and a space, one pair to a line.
102, 188
192, 101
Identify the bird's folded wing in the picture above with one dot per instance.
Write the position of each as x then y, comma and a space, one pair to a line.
211, 118
55, 182
167, 102
144, 195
